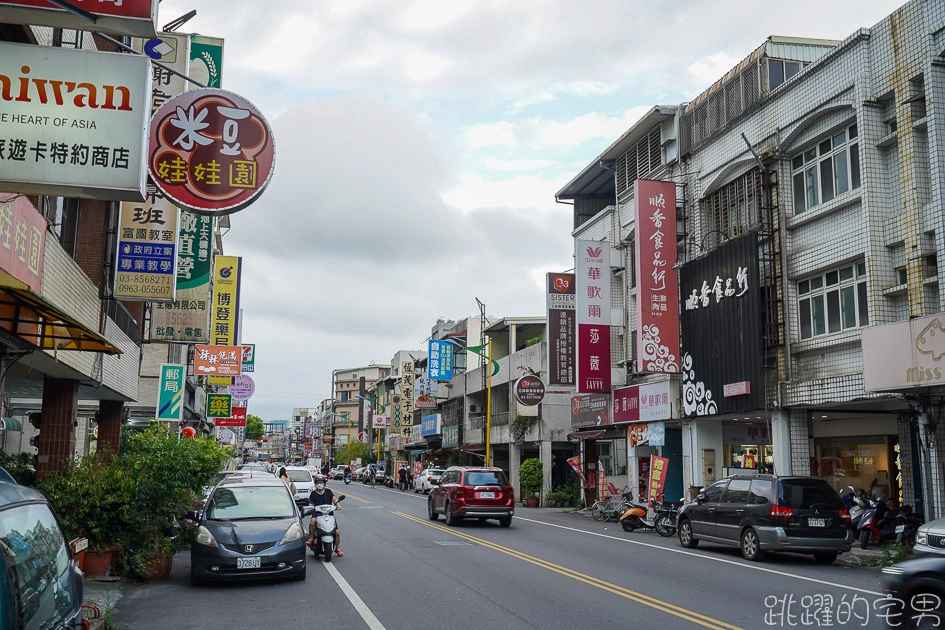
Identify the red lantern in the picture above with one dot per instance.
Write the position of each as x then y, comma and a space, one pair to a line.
189, 432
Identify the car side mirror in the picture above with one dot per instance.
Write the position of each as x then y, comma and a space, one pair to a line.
700, 498
307, 511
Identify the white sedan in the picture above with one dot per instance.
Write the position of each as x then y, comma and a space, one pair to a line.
427, 479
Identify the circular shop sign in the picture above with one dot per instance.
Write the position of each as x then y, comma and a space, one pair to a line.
243, 387
529, 390
210, 151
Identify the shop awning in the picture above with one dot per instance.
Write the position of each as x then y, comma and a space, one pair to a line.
417, 452
10, 424
44, 324
587, 435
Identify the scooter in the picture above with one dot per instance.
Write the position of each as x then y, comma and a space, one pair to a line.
665, 519
857, 505
326, 530
878, 524
347, 477
907, 524
634, 517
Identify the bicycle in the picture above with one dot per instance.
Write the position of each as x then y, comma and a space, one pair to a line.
613, 506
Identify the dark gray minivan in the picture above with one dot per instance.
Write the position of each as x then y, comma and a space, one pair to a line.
760, 513
40, 585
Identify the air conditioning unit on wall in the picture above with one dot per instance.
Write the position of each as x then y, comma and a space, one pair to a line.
474, 409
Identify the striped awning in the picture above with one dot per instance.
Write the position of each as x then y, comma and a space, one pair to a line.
10, 424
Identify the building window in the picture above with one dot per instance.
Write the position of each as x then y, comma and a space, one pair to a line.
733, 209
826, 170
781, 71
833, 301
345, 396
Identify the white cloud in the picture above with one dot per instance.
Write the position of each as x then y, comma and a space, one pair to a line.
525, 192
710, 69
431, 14
491, 134
517, 165
589, 127
423, 66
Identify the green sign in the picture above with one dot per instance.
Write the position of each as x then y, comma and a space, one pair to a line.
206, 60
249, 358
170, 404
219, 405
451, 436
194, 260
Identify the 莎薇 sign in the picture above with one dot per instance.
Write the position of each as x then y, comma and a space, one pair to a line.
73, 122
211, 151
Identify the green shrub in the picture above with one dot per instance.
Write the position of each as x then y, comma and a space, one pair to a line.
18, 465
530, 477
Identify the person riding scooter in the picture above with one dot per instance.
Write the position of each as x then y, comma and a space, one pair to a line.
323, 496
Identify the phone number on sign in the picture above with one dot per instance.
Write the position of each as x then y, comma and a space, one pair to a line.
850, 611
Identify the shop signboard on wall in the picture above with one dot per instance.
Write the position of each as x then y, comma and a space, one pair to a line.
147, 251
406, 399
561, 305
737, 434
243, 387
134, 18
657, 282
225, 304
217, 360
905, 355
206, 60
186, 318
237, 418
22, 241
723, 296
590, 410
425, 394
211, 151
171, 50
650, 401
649, 434
592, 278
430, 425
529, 390
219, 405
249, 358
171, 388
451, 436
73, 122
440, 360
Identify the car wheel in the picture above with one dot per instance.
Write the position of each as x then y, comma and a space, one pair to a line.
826, 558
194, 580
448, 514
751, 546
300, 577
505, 521
685, 535
432, 515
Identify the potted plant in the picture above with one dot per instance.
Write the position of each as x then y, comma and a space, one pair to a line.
530, 477
91, 497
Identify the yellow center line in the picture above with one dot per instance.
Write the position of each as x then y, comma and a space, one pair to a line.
351, 496
641, 598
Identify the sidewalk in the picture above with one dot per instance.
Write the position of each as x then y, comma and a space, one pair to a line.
103, 593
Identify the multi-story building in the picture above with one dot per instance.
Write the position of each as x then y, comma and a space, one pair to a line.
347, 411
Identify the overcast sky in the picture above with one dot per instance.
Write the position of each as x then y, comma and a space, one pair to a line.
419, 146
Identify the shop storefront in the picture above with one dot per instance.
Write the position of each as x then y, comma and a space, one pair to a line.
746, 447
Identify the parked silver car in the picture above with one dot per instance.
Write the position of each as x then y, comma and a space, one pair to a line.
930, 538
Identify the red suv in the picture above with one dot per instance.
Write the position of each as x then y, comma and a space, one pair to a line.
472, 492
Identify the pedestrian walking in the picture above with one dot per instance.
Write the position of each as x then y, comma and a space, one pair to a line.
402, 478
372, 473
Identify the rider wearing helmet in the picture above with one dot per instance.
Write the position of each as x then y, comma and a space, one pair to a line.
323, 496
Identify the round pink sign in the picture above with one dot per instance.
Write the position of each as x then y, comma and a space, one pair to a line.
210, 151
243, 387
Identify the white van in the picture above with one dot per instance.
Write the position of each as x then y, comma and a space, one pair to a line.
304, 483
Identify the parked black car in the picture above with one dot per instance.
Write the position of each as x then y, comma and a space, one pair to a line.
40, 585
250, 528
760, 513
920, 585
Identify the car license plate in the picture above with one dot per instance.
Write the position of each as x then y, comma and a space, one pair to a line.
816, 522
900, 529
487, 495
247, 563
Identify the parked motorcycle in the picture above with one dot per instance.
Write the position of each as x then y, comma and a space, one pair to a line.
907, 524
635, 517
857, 504
326, 530
665, 520
878, 524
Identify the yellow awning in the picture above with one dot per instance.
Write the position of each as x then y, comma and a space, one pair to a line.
30, 316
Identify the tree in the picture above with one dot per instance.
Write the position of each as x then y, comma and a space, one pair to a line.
254, 427
353, 451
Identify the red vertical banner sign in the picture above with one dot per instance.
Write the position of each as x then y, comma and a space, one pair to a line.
592, 275
575, 464
560, 305
657, 281
658, 468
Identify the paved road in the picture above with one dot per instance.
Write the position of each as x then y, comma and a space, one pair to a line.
549, 570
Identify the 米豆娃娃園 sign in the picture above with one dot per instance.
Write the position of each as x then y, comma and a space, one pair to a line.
211, 151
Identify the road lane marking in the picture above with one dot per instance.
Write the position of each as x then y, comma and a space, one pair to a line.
372, 622
626, 593
356, 498
713, 559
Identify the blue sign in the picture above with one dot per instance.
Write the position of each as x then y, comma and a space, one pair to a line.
440, 360
431, 425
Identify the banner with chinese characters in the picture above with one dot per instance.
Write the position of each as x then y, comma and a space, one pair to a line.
22, 241
592, 271
171, 50
406, 400
723, 371
590, 410
237, 418
186, 318
217, 360
658, 468
425, 394
225, 306
440, 360
650, 401
560, 304
575, 464
451, 436
147, 251
657, 283
170, 403
73, 122
219, 405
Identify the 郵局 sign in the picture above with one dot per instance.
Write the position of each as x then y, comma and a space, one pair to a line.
529, 390
225, 307
657, 282
22, 240
147, 258
211, 151
217, 360
171, 392
219, 405
237, 418
114, 17
73, 122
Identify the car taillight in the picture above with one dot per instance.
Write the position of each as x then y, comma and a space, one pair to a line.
845, 515
778, 511
429, 478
